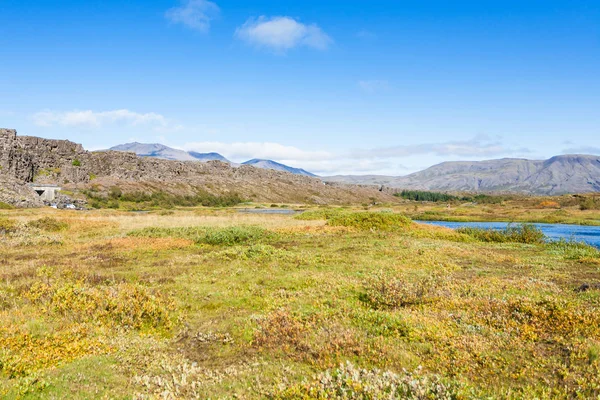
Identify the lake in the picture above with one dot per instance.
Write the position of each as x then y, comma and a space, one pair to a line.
579, 233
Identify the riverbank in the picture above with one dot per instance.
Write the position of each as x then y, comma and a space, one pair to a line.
550, 210
553, 232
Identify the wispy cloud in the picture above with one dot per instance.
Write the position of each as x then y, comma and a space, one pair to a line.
480, 146
582, 150
282, 33
350, 167
194, 14
98, 119
247, 150
374, 86
318, 162
386, 160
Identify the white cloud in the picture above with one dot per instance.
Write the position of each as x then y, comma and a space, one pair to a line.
379, 161
582, 150
342, 166
242, 151
480, 146
94, 119
374, 86
282, 33
318, 162
194, 14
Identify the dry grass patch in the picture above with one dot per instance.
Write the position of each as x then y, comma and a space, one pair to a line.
308, 338
143, 243
384, 291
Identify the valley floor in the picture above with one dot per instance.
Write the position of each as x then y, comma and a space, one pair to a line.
211, 303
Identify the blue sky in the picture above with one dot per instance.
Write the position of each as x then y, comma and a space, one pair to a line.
363, 87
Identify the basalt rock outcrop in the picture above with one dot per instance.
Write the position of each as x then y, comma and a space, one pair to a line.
27, 159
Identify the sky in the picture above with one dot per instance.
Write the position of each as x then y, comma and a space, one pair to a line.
334, 87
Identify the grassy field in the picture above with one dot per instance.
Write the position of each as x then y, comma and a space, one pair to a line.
211, 303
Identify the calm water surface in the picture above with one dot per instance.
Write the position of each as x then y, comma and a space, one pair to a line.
580, 233
268, 211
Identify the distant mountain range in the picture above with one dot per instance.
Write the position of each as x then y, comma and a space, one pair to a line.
164, 152
268, 164
574, 173
167, 153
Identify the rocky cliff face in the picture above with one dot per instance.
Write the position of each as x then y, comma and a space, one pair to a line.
27, 158
31, 159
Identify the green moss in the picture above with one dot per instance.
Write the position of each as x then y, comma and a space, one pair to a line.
6, 206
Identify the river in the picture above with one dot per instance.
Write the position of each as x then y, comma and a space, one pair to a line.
579, 233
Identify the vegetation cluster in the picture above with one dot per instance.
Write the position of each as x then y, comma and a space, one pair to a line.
116, 199
421, 195
331, 303
382, 221
524, 233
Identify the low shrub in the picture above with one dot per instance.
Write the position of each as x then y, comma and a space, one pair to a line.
572, 250
124, 305
206, 235
381, 322
487, 199
370, 221
350, 382
14, 233
7, 226
318, 214
525, 233
385, 292
160, 199
545, 319
6, 206
22, 353
234, 235
48, 224
310, 338
281, 329
589, 203
258, 252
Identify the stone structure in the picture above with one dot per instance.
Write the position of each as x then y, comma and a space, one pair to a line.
47, 193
